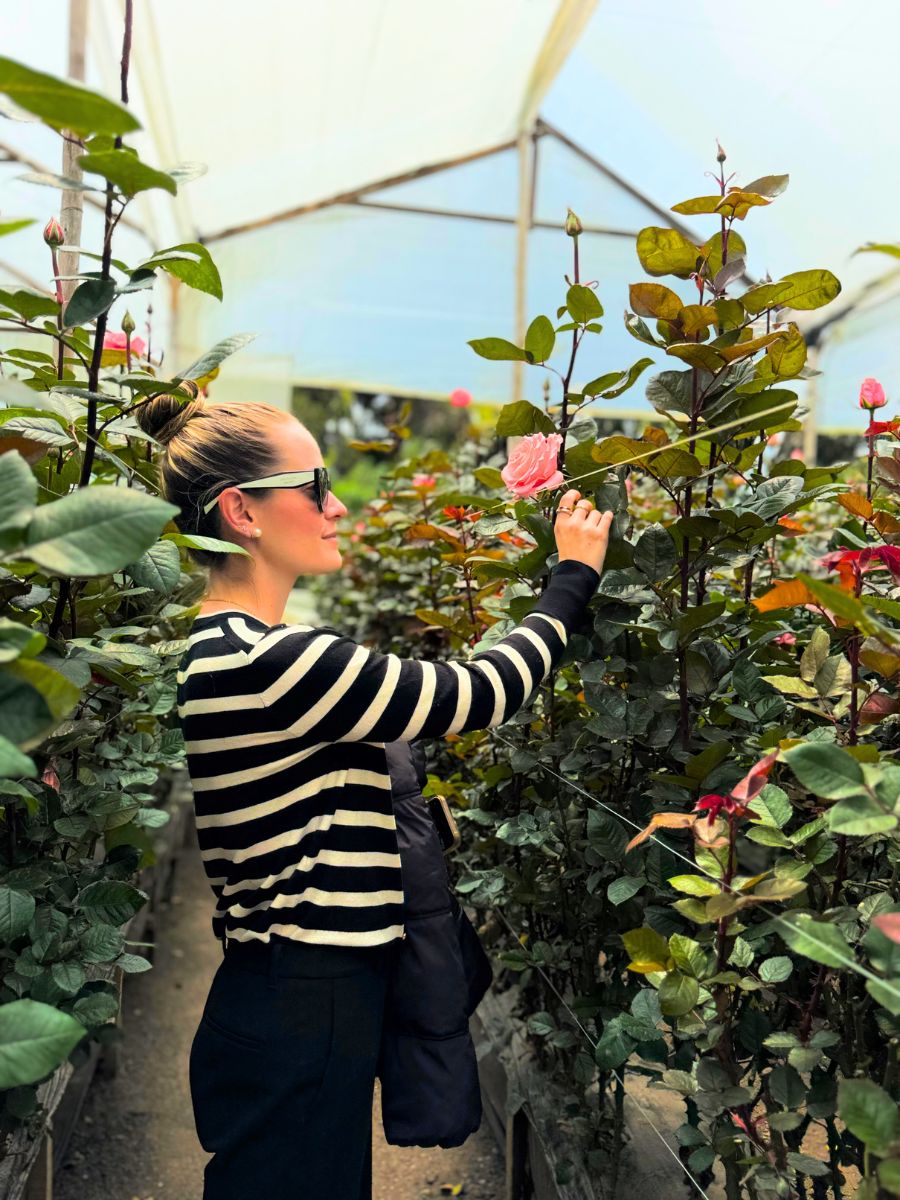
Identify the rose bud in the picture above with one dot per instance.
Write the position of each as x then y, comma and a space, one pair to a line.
573, 225
53, 233
871, 395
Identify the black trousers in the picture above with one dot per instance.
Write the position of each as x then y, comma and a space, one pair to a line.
282, 1070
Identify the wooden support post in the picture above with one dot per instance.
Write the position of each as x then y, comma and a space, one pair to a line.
40, 1181
72, 204
525, 149
811, 420
517, 1157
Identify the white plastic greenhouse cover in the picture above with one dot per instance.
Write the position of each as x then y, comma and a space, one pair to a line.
294, 103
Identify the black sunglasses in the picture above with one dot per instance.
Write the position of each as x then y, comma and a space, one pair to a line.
317, 478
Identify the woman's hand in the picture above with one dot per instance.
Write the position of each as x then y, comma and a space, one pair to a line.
581, 531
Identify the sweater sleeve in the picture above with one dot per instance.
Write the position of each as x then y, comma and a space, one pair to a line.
328, 688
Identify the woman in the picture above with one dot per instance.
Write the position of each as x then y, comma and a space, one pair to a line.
285, 729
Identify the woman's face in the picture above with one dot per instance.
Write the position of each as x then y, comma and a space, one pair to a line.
296, 538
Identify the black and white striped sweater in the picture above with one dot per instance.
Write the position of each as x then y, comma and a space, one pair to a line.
285, 727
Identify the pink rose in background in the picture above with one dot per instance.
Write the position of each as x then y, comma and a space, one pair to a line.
460, 398
532, 465
871, 395
785, 639
117, 341
426, 482
797, 454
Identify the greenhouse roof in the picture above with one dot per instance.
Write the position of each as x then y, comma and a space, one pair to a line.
338, 136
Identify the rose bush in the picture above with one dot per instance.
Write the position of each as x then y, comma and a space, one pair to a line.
96, 605
693, 827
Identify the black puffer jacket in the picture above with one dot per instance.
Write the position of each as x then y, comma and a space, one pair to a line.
430, 1094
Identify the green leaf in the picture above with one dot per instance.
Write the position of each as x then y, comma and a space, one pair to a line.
623, 888
782, 1040
13, 763
655, 553
126, 172
111, 901
28, 303
694, 885
769, 186
666, 252
95, 531
742, 953
678, 994
775, 970
34, 1039
63, 105
541, 1023
887, 994
16, 911
786, 1087
844, 605
810, 289
859, 816
688, 955
815, 654
697, 205
772, 806
540, 339
765, 295
202, 275
613, 1048
818, 940
647, 949
583, 304
498, 350
712, 250
89, 300
522, 418
669, 464
826, 770
806, 1164
697, 354
655, 300
869, 1112
133, 964
68, 976
889, 1175
212, 358
101, 943
631, 376
638, 330
597, 386
7, 227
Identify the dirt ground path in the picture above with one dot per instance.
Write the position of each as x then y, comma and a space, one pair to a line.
135, 1139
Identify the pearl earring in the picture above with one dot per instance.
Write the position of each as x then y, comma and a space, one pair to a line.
257, 533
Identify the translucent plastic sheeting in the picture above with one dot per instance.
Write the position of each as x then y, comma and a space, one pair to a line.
300, 101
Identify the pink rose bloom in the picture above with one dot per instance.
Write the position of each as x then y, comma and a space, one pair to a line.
117, 341
871, 395
360, 527
460, 398
785, 639
532, 465
423, 481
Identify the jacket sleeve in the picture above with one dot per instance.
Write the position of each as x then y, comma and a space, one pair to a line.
328, 688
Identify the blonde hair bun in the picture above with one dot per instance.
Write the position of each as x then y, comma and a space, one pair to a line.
163, 417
